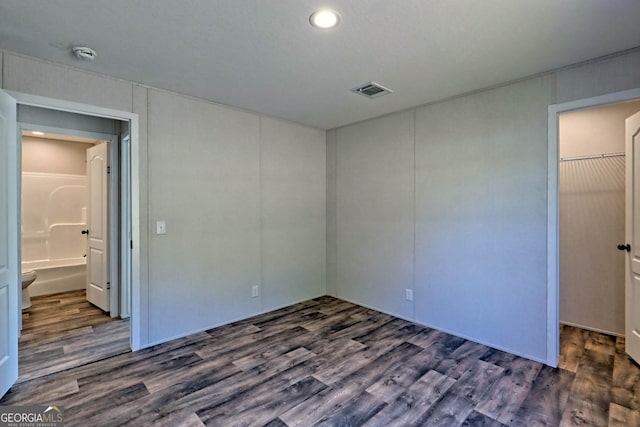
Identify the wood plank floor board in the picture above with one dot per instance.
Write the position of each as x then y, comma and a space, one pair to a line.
318, 405
462, 359
41, 389
590, 396
574, 340
461, 399
476, 419
499, 358
341, 306
246, 344
429, 337
354, 412
100, 407
625, 389
262, 404
397, 381
408, 407
620, 416
181, 418
600, 342
142, 364
64, 330
42, 340
547, 399
505, 397
276, 423
353, 327
204, 393
333, 323
328, 362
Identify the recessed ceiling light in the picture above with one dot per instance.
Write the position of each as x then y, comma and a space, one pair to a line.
324, 19
37, 133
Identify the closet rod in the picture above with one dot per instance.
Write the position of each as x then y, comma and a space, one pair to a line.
593, 156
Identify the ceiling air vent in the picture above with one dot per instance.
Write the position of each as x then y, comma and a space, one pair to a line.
371, 90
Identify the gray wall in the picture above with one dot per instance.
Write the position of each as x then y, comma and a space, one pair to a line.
375, 213
480, 204
332, 229
293, 177
228, 182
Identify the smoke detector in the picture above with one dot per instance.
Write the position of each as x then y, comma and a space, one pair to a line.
84, 53
371, 90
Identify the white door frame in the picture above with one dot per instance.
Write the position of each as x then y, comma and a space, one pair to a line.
131, 221
553, 238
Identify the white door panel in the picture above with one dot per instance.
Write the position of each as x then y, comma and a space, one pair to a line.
9, 274
97, 241
632, 292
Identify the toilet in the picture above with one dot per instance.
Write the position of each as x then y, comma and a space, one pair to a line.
28, 277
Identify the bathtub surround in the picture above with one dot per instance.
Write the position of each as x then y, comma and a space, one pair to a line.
58, 275
54, 211
501, 125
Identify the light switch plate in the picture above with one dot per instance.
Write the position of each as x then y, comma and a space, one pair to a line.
161, 227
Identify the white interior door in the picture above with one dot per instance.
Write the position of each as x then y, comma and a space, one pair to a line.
632, 294
9, 274
98, 225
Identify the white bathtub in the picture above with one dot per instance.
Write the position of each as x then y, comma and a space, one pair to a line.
60, 275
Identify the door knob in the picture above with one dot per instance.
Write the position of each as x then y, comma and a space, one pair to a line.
626, 247
87, 232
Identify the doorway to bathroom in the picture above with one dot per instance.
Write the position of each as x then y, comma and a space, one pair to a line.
75, 311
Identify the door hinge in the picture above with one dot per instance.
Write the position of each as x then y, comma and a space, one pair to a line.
108, 285
131, 242
108, 169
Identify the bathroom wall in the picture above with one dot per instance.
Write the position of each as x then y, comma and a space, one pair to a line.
54, 194
43, 155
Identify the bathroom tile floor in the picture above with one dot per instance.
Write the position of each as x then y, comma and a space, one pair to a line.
63, 331
327, 362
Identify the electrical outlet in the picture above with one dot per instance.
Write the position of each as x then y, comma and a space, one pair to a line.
161, 227
408, 294
255, 291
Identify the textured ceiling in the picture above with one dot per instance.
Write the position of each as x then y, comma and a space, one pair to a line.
263, 55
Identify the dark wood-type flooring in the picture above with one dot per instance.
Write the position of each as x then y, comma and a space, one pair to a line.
63, 331
326, 362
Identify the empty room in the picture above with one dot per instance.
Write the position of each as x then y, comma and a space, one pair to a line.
306, 213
